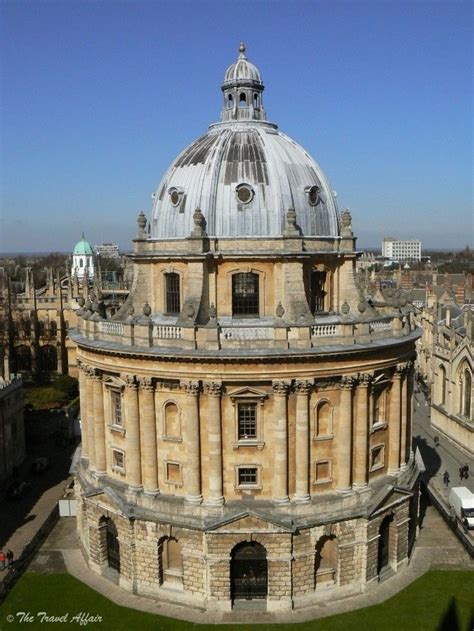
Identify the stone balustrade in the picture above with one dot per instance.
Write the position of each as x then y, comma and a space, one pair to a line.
147, 334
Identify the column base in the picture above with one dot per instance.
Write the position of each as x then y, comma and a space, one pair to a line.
151, 492
393, 471
215, 501
281, 500
344, 491
302, 499
193, 499
359, 486
99, 474
135, 489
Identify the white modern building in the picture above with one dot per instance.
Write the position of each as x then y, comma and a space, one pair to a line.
401, 250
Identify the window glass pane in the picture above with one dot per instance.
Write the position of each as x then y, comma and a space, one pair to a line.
172, 293
116, 408
245, 294
247, 475
247, 420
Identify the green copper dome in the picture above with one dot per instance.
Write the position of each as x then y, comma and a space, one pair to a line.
83, 247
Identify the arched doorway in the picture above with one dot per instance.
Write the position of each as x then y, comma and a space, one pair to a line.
384, 544
249, 571
113, 546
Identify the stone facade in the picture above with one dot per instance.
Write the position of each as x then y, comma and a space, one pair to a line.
247, 414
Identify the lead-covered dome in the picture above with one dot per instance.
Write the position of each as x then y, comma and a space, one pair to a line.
244, 174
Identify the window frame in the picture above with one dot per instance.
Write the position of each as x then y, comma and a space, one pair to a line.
243, 396
330, 434
326, 480
380, 465
167, 292
118, 468
254, 486
167, 480
176, 438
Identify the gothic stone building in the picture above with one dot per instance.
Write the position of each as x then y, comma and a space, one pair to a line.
247, 415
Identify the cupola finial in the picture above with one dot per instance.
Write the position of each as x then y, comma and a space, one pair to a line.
242, 50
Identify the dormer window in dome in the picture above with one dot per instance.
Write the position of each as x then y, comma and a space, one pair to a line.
313, 193
244, 193
176, 196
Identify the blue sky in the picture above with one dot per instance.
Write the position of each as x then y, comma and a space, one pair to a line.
98, 97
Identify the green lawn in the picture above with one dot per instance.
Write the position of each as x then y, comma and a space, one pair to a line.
439, 600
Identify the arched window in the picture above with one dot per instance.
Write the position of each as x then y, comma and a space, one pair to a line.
172, 427
81, 262
318, 280
170, 562
23, 358
379, 410
245, 295
441, 385
53, 328
325, 561
49, 358
383, 558
172, 294
243, 99
467, 393
230, 101
248, 571
110, 544
255, 100
323, 421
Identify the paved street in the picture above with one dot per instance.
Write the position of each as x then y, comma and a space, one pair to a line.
22, 518
439, 457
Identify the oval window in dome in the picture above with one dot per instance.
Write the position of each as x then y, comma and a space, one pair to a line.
175, 196
244, 193
313, 195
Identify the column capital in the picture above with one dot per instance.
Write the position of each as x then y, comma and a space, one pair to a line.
213, 388
95, 373
365, 379
347, 382
280, 388
400, 370
130, 381
146, 383
303, 387
191, 387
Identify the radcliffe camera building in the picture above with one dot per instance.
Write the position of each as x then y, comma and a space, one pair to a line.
247, 414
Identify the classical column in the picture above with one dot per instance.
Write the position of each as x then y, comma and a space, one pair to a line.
99, 423
148, 435
361, 438
132, 436
280, 464
214, 391
403, 418
409, 407
192, 473
89, 406
83, 411
344, 437
394, 422
303, 389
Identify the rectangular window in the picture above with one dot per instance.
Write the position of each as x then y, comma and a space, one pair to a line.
245, 295
118, 459
323, 471
247, 420
173, 472
247, 476
377, 457
172, 297
317, 291
116, 399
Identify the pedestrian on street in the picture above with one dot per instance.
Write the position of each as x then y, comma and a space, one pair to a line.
9, 558
2, 560
446, 478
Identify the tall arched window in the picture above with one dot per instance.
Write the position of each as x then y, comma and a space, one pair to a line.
170, 561
242, 99
172, 294
323, 421
441, 385
467, 393
325, 561
53, 328
109, 543
172, 428
245, 295
49, 358
230, 101
255, 101
318, 280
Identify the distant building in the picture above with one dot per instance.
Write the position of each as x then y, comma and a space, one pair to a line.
12, 428
109, 250
401, 250
83, 260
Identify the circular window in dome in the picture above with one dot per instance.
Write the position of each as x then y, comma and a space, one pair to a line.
245, 193
175, 196
313, 195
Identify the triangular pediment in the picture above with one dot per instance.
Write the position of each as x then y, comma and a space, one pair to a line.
385, 500
248, 393
249, 521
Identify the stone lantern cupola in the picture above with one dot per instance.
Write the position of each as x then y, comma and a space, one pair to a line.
242, 90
